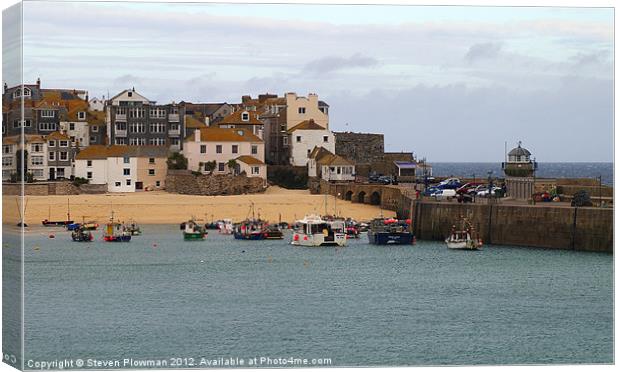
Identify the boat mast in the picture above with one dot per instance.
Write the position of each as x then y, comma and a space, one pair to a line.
68, 212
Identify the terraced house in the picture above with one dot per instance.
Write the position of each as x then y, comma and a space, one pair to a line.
123, 168
134, 120
224, 147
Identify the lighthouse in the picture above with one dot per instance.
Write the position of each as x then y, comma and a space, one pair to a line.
520, 169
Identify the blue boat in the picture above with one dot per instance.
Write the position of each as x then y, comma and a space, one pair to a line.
250, 230
389, 231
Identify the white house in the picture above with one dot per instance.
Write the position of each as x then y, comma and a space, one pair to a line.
330, 167
220, 145
122, 168
304, 136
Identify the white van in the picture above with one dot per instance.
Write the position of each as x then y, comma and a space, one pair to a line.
445, 194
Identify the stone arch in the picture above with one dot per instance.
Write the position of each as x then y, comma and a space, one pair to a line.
375, 198
361, 197
348, 195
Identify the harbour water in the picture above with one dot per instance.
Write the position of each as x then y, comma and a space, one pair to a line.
159, 297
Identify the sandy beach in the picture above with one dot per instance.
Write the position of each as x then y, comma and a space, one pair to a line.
162, 207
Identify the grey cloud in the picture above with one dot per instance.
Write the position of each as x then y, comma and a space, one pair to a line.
333, 63
482, 51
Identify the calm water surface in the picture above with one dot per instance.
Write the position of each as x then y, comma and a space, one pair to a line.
160, 297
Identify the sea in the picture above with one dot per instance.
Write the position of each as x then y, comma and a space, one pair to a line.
222, 301
545, 170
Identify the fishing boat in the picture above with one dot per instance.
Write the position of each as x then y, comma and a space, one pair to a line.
81, 235
90, 226
133, 228
465, 238
313, 231
384, 231
115, 231
274, 232
49, 222
352, 229
193, 230
225, 226
250, 229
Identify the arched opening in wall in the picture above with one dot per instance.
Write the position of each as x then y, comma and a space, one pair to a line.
348, 195
375, 198
361, 197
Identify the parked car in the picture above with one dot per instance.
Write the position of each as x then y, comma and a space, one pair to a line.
467, 188
444, 194
430, 191
451, 183
485, 193
475, 190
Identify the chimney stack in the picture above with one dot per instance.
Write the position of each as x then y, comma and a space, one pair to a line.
39, 82
207, 121
196, 135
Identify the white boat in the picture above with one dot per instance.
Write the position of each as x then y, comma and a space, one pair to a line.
313, 231
226, 226
464, 238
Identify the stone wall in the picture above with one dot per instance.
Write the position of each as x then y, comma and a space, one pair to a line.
545, 226
225, 184
584, 229
363, 148
41, 188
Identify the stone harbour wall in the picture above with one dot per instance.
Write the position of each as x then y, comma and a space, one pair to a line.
360, 147
42, 188
188, 183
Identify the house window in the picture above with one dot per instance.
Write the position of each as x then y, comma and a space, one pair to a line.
151, 160
36, 160
126, 159
298, 139
174, 141
60, 172
137, 141
235, 149
120, 125
43, 126
126, 172
52, 155
203, 149
93, 139
157, 128
89, 163
218, 149
95, 128
137, 128
220, 167
120, 141
81, 115
7, 161
245, 116
325, 138
117, 184
308, 152
37, 147
128, 182
64, 155
301, 110
47, 113
285, 141
255, 170
157, 141
71, 126
63, 143
129, 94
52, 143
38, 173
18, 93
254, 149
151, 172
89, 175
7, 149
157, 183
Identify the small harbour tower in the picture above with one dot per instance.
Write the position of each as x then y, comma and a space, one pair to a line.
520, 171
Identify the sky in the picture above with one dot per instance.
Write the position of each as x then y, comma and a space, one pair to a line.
449, 83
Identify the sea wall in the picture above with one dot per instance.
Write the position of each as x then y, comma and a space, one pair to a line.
184, 182
583, 229
545, 225
42, 188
